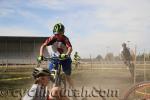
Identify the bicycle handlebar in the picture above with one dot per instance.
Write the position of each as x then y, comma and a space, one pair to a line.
51, 58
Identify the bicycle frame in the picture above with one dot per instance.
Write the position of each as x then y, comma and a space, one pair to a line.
57, 72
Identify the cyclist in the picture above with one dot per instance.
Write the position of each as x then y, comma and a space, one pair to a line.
76, 59
60, 46
127, 58
39, 90
76, 56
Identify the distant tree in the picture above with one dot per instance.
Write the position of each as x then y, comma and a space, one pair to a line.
109, 56
140, 57
117, 58
99, 58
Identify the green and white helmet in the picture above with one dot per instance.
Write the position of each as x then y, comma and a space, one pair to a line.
59, 27
37, 72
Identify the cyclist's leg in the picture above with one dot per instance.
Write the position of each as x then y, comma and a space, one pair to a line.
79, 64
131, 68
53, 64
76, 65
75, 62
50, 66
125, 62
66, 66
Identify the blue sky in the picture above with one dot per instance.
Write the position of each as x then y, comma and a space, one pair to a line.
93, 26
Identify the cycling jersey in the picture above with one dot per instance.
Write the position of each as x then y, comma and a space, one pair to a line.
59, 43
76, 57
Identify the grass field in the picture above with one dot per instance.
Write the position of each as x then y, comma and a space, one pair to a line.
115, 78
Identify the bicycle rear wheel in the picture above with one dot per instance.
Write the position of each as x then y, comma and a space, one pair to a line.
140, 91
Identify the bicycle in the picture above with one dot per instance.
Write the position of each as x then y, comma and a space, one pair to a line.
58, 77
140, 91
76, 63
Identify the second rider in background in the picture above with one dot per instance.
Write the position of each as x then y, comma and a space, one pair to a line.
76, 60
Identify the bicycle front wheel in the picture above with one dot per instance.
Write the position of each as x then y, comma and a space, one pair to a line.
140, 91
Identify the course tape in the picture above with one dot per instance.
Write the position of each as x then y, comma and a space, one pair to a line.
13, 79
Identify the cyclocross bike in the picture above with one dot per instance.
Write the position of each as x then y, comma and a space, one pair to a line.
58, 77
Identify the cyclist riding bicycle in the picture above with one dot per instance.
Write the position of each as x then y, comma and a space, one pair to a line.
39, 90
60, 46
127, 57
76, 56
76, 60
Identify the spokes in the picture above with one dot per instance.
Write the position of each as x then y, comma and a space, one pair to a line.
139, 92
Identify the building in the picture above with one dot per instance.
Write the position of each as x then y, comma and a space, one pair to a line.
19, 50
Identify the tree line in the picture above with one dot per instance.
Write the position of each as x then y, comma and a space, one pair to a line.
112, 57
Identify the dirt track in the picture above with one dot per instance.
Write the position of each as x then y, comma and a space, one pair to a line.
102, 79
114, 80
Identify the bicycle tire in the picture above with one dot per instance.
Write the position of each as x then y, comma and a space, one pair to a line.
136, 88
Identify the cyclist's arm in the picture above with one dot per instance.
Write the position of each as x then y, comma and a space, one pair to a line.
46, 43
69, 51
79, 57
69, 46
42, 49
